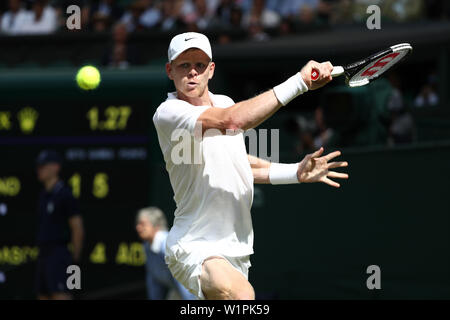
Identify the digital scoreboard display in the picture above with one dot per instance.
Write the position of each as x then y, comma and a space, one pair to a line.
105, 148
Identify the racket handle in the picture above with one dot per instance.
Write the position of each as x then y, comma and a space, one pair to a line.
337, 71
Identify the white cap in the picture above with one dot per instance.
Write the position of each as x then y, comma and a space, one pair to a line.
184, 41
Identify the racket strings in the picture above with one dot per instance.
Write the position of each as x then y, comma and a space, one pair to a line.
376, 68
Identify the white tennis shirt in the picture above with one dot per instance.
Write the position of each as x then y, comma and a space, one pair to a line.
213, 195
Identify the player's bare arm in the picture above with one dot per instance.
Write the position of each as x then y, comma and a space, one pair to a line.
313, 168
250, 113
77, 231
260, 169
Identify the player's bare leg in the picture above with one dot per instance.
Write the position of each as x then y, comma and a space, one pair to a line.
220, 281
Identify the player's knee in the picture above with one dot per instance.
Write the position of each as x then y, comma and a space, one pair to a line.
219, 290
245, 294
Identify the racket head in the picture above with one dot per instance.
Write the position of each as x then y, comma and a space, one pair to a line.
364, 71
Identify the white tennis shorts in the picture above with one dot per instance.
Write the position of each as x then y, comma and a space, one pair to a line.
186, 267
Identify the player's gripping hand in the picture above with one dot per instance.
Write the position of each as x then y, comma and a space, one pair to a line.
324, 69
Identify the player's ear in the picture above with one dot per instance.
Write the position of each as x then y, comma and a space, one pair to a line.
212, 67
169, 70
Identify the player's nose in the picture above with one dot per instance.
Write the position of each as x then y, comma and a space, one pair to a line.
193, 72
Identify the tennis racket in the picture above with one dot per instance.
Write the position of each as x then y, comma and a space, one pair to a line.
364, 71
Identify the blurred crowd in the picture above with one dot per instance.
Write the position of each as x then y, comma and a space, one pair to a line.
387, 120
256, 17
260, 20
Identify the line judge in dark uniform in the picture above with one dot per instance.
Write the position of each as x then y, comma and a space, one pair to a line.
59, 223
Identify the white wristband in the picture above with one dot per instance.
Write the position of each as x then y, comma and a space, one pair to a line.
283, 173
290, 89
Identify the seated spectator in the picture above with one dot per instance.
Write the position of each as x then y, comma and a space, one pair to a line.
199, 19
428, 94
227, 16
172, 15
402, 128
307, 12
100, 22
291, 8
223, 13
120, 54
42, 19
151, 16
103, 13
261, 16
12, 19
256, 31
323, 134
151, 226
132, 17
403, 11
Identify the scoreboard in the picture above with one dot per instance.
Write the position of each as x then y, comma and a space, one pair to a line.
106, 140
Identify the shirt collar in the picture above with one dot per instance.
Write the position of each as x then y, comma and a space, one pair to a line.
174, 95
158, 240
58, 185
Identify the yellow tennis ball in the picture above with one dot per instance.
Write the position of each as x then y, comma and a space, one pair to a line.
88, 78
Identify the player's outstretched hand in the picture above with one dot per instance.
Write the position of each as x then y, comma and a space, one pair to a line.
314, 168
324, 69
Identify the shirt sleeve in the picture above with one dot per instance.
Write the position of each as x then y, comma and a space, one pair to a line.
173, 116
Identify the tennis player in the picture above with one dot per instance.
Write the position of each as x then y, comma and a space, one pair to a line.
209, 245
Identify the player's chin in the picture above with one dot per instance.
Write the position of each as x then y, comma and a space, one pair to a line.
191, 91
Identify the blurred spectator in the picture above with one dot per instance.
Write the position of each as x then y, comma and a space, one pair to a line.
256, 32
428, 94
151, 226
303, 128
132, 17
402, 128
402, 11
42, 19
311, 132
323, 134
307, 12
223, 12
260, 15
151, 16
258, 18
100, 22
228, 16
297, 8
325, 9
286, 26
172, 15
120, 54
12, 19
103, 13
200, 18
